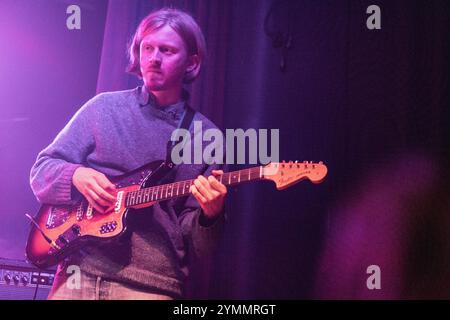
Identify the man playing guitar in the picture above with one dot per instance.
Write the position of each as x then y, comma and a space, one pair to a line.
116, 132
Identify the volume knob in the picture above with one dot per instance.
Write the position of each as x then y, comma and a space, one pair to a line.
7, 277
16, 278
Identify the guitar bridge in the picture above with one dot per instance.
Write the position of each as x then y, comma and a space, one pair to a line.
68, 236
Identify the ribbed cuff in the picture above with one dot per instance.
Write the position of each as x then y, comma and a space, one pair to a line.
205, 238
64, 186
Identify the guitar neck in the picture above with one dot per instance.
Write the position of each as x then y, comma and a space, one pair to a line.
182, 188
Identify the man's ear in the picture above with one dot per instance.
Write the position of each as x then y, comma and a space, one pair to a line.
194, 63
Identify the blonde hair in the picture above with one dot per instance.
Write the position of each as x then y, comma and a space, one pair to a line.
183, 24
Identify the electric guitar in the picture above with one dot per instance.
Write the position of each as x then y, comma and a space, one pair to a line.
57, 231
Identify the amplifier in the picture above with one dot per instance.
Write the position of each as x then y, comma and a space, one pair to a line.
20, 280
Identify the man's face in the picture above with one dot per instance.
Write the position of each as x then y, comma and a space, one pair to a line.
163, 59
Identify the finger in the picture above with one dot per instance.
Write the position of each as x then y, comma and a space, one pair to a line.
105, 183
203, 187
216, 185
109, 209
198, 195
210, 189
103, 194
217, 172
94, 204
97, 199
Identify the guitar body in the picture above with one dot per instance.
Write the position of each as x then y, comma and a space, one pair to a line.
67, 228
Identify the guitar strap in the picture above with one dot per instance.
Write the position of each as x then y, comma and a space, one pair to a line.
167, 165
185, 123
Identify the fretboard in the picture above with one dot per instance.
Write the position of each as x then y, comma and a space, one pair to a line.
182, 188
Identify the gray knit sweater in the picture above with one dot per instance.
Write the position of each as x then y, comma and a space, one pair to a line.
114, 133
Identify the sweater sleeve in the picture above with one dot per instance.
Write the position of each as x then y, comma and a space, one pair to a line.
51, 174
204, 239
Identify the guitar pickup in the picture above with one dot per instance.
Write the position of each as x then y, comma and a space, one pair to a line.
108, 227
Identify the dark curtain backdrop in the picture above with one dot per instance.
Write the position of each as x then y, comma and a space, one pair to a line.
372, 104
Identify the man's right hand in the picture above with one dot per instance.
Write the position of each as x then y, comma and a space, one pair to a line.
96, 188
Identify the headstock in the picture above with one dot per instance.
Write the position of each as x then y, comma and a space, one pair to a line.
285, 174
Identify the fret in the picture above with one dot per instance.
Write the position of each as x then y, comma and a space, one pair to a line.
260, 172
141, 199
146, 195
169, 187
141, 196
161, 195
154, 194
188, 186
157, 193
239, 176
229, 178
162, 190
132, 198
249, 171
